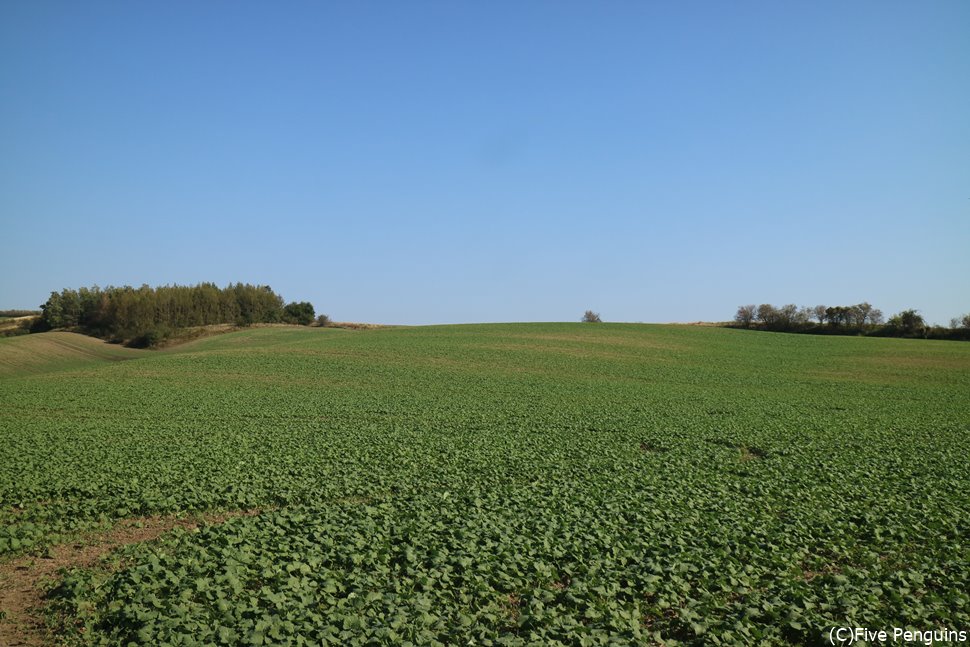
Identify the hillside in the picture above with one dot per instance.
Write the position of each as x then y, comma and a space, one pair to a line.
513, 484
52, 351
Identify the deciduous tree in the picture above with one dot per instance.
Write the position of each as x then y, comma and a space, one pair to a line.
819, 313
745, 315
767, 315
908, 322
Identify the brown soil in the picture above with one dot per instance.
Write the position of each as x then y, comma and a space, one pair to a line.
23, 579
751, 453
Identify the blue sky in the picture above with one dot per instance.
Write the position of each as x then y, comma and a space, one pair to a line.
435, 162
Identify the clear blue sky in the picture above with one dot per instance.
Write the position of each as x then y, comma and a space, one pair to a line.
432, 162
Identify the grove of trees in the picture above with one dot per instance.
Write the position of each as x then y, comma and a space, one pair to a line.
142, 316
859, 319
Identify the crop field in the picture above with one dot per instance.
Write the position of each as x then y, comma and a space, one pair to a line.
515, 484
56, 351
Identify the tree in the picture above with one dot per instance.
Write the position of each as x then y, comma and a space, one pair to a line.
907, 323
805, 315
323, 321
592, 317
787, 316
298, 313
71, 307
819, 313
767, 315
837, 315
53, 311
859, 314
745, 315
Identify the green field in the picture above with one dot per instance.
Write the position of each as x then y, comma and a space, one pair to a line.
541, 484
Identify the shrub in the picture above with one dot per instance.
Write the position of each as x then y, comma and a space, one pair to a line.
298, 313
592, 317
150, 338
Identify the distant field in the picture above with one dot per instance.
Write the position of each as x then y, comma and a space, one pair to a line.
13, 325
540, 484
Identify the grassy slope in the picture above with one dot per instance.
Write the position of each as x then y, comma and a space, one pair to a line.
625, 478
55, 351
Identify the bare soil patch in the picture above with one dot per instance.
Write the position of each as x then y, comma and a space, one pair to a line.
23, 579
650, 448
750, 453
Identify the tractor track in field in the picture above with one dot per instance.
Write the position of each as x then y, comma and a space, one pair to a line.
24, 579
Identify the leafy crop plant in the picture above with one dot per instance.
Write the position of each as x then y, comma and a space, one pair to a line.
520, 484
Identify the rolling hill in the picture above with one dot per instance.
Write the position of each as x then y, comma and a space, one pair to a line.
53, 351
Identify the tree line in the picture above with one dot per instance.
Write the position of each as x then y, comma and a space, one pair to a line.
146, 315
859, 319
